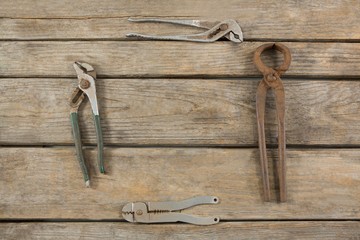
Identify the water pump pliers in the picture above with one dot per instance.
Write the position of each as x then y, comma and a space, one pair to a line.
86, 87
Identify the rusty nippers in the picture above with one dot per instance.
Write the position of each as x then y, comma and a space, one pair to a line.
272, 80
86, 86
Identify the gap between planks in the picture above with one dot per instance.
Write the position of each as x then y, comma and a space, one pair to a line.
264, 40
71, 220
216, 146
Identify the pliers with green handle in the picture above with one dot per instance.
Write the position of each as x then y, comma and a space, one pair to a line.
86, 86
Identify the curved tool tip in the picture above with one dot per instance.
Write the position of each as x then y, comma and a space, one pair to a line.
87, 183
241, 37
83, 66
236, 37
131, 34
79, 66
127, 212
137, 19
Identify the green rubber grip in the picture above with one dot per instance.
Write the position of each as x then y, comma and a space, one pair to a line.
100, 143
78, 145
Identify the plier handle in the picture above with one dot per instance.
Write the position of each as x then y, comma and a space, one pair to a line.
272, 80
86, 75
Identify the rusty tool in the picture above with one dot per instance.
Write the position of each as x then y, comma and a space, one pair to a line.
272, 80
168, 212
229, 29
86, 86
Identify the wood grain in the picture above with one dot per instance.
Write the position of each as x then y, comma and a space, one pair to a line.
178, 111
235, 230
176, 59
43, 183
183, 95
269, 19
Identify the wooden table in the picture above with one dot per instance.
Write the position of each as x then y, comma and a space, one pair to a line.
178, 119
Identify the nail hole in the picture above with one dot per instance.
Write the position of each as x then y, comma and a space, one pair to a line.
215, 219
215, 200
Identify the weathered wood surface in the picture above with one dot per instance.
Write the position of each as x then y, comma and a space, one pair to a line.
178, 111
234, 230
132, 58
38, 183
178, 108
269, 19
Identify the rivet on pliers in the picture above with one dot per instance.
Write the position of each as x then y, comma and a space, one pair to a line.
272, 80
86, 86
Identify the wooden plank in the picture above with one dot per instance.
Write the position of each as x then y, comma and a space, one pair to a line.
178, 111
131, 59
231, 230
40, 183
286, 20
89, 28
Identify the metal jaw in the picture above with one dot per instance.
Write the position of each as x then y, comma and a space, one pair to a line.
86, 86
168, 212
86, 76
229, 29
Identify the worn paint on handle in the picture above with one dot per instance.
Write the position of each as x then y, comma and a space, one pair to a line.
100, 143
78, 146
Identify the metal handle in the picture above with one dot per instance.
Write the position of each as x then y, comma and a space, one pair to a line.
78, 146
100, 143
201, 37
181, 217
185, 22
179, 205
281, 167
260, 115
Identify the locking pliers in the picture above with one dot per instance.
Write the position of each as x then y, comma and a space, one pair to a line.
86, 86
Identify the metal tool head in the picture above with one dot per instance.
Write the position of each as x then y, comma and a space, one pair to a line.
229, 29
84, 68
236, 34
86, 77
265, 70
136, 212
128, 212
